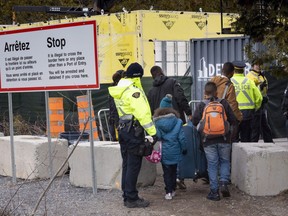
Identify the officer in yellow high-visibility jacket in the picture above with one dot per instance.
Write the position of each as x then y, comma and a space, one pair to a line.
134, 117
260, 121
248, 97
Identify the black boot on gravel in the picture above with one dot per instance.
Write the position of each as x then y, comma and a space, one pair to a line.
224, 189
140, 203
213, 195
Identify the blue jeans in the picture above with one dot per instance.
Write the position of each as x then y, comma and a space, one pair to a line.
218, 158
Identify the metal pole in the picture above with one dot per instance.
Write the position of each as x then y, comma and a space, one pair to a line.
12, 137
221, 12
94, 180
49, 133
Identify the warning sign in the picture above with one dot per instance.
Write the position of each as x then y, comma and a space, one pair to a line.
56, 57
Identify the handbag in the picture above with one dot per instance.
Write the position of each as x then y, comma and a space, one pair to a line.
155, 156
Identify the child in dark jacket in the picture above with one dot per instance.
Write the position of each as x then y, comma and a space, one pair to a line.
170, 132
217, 149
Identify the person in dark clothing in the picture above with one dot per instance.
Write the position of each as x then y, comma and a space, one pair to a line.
285, 108
217, 149
135, 120
113, 120
163, 85
260, 125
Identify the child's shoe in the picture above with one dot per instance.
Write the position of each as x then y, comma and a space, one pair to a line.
168, 196
213, 195
173, 193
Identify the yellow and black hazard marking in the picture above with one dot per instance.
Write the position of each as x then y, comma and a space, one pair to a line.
123, 62
200, 24
169, 24
121, 18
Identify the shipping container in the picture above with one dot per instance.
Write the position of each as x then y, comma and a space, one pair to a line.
207, 57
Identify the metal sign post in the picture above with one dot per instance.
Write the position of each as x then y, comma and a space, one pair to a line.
94, 180
12, 137
49, 133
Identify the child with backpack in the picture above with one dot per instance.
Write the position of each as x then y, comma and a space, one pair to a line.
213, 118
170, 132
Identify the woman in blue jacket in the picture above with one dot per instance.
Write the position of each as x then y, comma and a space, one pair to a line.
170, 132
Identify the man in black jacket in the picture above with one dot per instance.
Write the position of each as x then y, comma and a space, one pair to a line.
163, 85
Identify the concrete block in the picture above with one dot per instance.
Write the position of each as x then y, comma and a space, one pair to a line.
260, 169
108, 165
32, 156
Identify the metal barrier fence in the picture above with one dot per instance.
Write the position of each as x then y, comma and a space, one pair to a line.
105, 115
193, 104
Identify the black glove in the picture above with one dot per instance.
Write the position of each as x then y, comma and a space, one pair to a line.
265, 100
184, 152
263, 85
155, 139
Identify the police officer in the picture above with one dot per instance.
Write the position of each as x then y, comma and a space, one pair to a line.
134, 118
260, 121
248, 97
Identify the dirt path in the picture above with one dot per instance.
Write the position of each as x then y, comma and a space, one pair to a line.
193, 201
65, 199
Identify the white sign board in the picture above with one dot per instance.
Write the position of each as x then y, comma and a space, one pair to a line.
49, 58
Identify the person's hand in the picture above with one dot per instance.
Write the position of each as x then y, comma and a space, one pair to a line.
152, 139
184, 152
155, 139
263, 85
149, 138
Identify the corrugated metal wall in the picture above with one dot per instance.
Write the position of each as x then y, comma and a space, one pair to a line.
208, 56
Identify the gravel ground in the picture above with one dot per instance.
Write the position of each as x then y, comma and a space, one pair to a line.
65, 199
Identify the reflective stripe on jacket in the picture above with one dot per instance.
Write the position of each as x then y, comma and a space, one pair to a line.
248, 95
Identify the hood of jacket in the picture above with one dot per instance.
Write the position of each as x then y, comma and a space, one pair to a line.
166, 118
117, 91
159, 80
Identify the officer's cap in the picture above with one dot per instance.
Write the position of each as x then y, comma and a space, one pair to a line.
134, 70
239, 64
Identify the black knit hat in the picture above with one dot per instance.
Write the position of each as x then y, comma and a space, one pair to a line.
134, 70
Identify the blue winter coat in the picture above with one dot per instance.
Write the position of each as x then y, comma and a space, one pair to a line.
170, 132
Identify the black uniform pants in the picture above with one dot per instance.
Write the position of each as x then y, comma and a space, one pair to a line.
245, 130
260, 126
131, 163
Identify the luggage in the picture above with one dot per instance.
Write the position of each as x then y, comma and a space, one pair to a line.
194, 163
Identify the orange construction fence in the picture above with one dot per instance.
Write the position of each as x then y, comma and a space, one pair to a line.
83, 114
56, 114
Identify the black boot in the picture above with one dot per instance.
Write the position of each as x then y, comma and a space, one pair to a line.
140, 203
213, 195
224, 189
